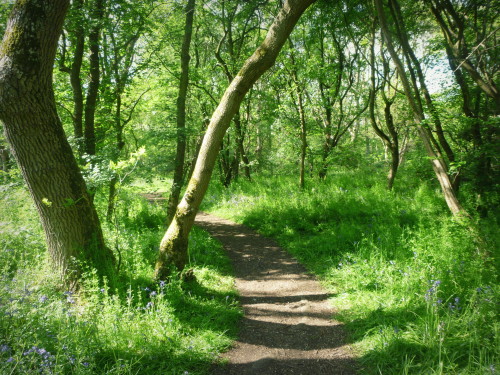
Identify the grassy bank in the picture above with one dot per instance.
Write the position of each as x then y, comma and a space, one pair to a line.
140, 328
417, 290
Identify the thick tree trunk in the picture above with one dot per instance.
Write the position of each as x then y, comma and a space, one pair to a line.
36, 135
173, 247
437, 163
180, 154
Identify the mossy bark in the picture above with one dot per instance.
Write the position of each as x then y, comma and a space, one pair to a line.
36, 135
173, 248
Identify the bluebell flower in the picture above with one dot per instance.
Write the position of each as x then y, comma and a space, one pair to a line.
152, 294
10, 360
43, 298
4, 348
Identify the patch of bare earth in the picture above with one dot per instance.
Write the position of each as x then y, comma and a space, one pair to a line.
287, 326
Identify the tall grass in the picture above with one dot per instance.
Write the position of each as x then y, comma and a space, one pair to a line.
142, 327
417, 289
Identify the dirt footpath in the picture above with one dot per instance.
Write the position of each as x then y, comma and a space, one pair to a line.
288, 326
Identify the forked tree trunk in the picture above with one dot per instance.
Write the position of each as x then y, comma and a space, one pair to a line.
391, 138
173, 247
438, 165
36, 135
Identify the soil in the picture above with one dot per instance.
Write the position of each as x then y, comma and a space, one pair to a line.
287, 326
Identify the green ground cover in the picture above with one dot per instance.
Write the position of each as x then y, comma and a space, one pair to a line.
417, 290
141, 327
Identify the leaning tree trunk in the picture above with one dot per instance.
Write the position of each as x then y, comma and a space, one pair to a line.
180, 154
173, 247
36, 135
438, 165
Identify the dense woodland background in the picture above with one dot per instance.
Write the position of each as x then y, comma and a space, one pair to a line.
369, 150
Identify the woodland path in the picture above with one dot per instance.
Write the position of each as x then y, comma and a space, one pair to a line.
287, 326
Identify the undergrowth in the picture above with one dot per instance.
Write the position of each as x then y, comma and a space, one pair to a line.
141, 327
417, 290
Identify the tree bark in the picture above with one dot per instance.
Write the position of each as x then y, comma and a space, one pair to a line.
302, 115
4, 161
180, 154
390, 140
36, 135
95, 77
173, 247
75, 79
453, 27
415, 63
437, 163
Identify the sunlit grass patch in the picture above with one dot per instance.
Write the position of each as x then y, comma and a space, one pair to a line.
141, 327
417, 289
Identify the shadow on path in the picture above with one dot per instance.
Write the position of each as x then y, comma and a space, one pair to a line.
288, 326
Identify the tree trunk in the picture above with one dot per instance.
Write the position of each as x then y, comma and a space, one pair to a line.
173, 247
95, 77
408, 50
437, 163
75, 79
241, 148
120, 144
303, 138
302, 116
180, 154
4, 161
36, 135
453, 27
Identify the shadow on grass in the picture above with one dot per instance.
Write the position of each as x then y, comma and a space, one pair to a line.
161, 359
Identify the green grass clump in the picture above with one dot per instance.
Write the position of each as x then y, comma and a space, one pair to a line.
142, 327
417, 289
